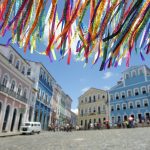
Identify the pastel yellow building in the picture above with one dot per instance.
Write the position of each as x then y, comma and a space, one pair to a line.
93, 107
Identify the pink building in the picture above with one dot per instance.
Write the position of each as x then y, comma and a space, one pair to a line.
17, 95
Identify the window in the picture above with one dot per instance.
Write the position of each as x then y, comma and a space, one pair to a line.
124, 106
29, 71
90, 99
130, 105
5, 80
103, 107
143, 90
127, 76
38, 94
89, 110
118, 107
86, 99
145, 103
94, 110
23, 70
138, 104
129, 93
19, 90
94, 99
25, 93
17, 64
12, 86
81, 112
117, 96
85, 111
136, 92
149, 88
133, 73
99, 109
103, 96
46, 97
81, 101
11, 58
112, 108
111, 97
98, 96
140, 71
123, 94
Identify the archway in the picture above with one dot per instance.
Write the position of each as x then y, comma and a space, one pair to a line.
6, 117
20, 121
13, 120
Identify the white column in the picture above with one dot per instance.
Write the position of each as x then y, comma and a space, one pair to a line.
4, 105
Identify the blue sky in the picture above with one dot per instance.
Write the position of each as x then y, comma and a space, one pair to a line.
74, 78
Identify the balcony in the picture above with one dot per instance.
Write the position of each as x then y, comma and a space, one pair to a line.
45, 83
12, 93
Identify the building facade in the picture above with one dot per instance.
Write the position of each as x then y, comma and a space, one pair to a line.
17, 94
131, 95
93, 107
73, 119
64, 109
43, 85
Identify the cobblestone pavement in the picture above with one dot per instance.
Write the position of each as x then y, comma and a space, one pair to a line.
114, 139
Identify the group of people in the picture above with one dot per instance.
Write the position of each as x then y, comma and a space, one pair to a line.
67, 127
131, 123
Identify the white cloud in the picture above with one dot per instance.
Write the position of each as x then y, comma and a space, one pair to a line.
75, 111
106, 88
85, 89
107, 75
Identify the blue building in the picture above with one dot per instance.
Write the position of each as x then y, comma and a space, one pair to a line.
43, 85
131, 95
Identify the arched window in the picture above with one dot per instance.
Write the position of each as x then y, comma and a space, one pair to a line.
127, 76
12, 86
11, 58
94, 98
90, 99
29, 71
136, 91
25, 93
94, 110
99, 109
112, 108
23, 70
144, 90
81, 112
5, 81
89, 110
19, 90
133, 73
17, 64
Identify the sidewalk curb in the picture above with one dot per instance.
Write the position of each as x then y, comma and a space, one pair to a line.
8, 135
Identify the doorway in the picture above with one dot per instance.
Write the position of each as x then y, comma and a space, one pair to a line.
13, 120
20, 121
140, 118
6, 118
125, 118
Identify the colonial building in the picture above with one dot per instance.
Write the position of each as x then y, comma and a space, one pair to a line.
43, 84
92, 107
64, 109
17, 96
55, 104
131, 95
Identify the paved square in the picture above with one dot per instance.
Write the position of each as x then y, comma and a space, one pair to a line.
114, 139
